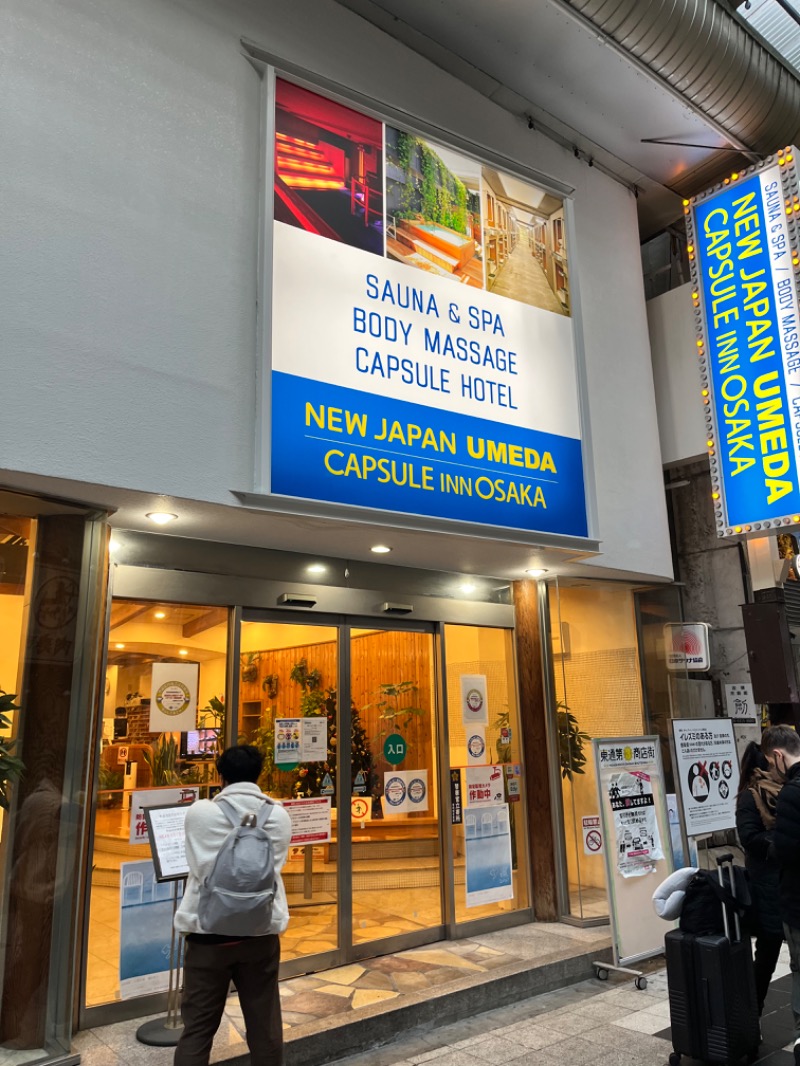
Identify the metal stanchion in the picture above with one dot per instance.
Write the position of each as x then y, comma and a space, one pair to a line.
166, 1032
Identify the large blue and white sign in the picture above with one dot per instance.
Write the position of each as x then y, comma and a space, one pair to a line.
399, 390
422, 345
750, 347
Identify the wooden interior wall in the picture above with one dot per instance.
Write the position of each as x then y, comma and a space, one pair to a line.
377, 659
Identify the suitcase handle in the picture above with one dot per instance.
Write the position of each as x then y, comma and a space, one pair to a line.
722, 861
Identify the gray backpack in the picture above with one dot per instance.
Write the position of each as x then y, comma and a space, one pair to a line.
236, 897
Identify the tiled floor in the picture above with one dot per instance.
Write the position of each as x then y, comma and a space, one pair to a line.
312, 1001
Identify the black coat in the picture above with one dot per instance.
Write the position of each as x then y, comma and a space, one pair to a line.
764, 870
786, 846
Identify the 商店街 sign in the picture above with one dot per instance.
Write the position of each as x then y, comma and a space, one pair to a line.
745, 265
416, 367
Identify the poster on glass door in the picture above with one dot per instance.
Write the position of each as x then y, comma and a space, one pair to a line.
145, 929
487, 842
638, 841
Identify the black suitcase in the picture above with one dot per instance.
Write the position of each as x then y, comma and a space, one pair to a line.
715, 1013
686, 1019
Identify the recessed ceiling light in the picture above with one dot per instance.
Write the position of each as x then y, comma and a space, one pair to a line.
183, 651
119, 647
161, 518
316, 568
536, 572
161, 614
380, 549
467, 587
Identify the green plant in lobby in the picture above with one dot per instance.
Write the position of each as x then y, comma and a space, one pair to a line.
213, 717
570, 743
161, 759
11, 767
109, 783
395, 715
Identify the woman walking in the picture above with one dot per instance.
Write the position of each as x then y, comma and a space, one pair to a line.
755, 819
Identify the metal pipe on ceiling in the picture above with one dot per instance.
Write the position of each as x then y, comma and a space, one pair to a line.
706, 55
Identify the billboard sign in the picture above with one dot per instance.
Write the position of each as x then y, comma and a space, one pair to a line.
743, 250
422, 349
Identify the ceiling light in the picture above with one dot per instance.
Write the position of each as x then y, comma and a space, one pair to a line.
380, 549
316, 568
113, 546
161, 518
161, 614
183, 651
536, 572
119, 647
467, 587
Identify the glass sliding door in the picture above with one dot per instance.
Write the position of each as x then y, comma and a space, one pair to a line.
143, 763
396, 864
290, 671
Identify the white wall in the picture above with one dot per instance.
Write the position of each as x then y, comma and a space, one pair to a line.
128, 272
681, 424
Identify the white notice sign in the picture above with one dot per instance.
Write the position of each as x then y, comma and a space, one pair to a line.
155, 797
476, 746
311, 819
173, 702
313, 739
740, 704
166, 827
405, 791
474, 700
707, 766
484, 786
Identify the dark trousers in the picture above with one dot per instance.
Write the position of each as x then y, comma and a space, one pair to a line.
768, 948
252, 965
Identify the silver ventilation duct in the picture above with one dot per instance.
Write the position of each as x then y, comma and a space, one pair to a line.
706, 55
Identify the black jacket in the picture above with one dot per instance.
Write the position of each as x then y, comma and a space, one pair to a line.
764, 870
786, 846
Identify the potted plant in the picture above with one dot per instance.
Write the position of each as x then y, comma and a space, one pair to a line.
394, 716
250, 661
570, 743
11, 767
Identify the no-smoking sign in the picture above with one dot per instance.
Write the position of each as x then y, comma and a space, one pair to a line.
592, 835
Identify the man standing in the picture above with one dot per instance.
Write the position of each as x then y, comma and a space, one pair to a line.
781, 746
214, 960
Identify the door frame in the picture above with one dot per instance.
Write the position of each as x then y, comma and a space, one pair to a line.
150, 575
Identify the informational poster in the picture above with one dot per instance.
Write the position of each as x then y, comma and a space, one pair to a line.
637, 837
145, 929
155, 797
300, 740
513, 781
313, 739
740, 704
592, 834
487, 841
476, 745
405, 791
485, 786
173, 704
474, 700
414, 367
635, 841
311, 819
707, 767
166, 829
287, 741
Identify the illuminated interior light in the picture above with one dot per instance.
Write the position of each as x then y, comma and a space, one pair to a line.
536, 572
160, 614
380, 549
183, 651
316, 568
467, 587
119, 647
161, 518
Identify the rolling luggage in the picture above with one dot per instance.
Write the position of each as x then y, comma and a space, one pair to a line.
712, 993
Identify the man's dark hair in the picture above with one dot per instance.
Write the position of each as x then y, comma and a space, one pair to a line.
782, 738
240, 763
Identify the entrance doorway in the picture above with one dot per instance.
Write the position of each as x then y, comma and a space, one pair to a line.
379, 877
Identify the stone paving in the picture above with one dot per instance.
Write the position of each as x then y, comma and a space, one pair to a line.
605, 1022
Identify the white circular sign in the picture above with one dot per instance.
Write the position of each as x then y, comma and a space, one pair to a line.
173, 698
